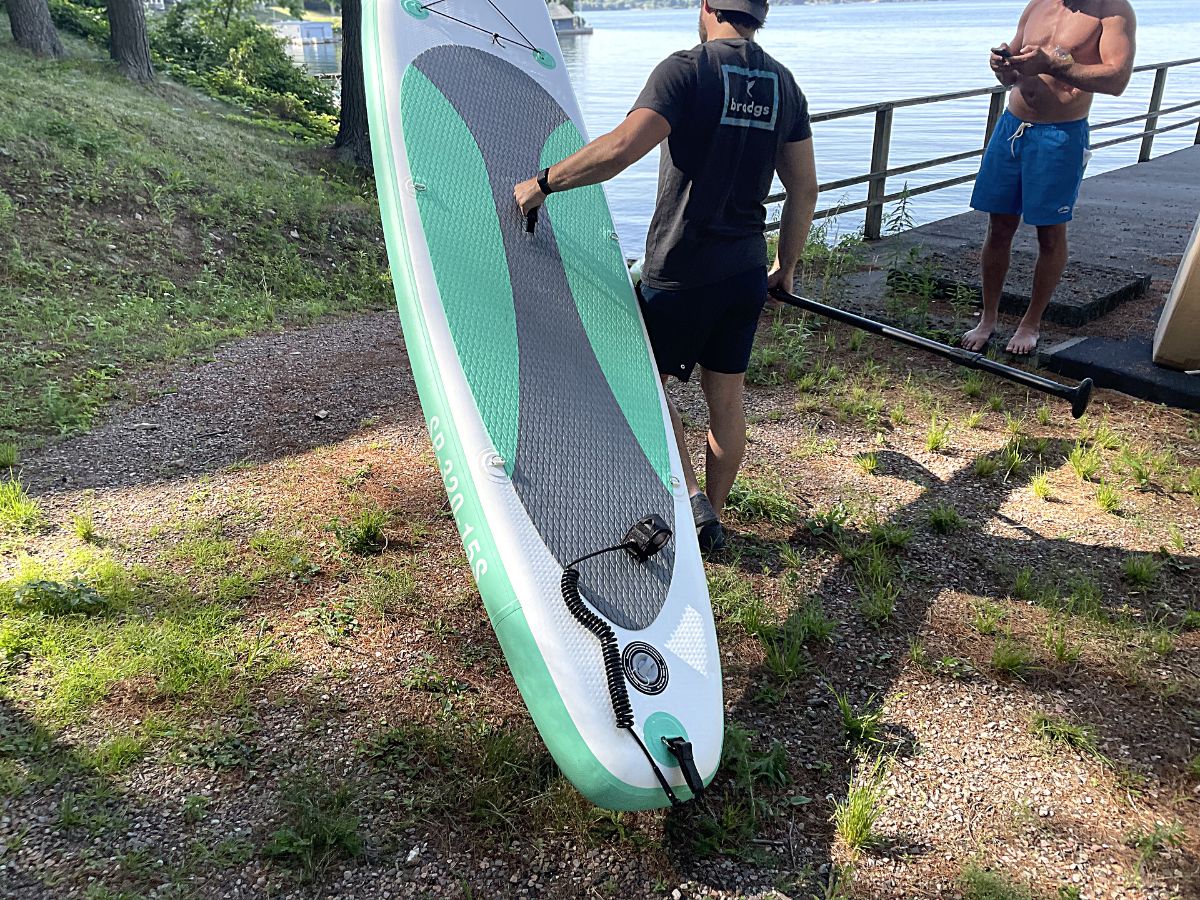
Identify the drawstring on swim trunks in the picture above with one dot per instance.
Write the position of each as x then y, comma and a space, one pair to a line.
1012, 141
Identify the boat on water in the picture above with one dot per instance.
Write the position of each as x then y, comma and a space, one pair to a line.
566, 22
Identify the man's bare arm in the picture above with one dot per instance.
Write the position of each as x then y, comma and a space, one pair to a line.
606, 156
797, 169
1002, 66
1109, 76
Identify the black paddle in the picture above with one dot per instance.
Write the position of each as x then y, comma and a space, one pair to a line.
1077, 396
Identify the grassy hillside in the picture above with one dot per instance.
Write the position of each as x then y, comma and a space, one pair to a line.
138, 226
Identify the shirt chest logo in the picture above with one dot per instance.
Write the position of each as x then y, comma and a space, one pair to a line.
751, 97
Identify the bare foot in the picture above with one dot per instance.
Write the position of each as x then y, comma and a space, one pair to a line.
977, 337
1024, 341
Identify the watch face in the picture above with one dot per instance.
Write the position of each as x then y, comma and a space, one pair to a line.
644, 667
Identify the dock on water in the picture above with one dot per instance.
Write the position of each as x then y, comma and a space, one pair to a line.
1128, 235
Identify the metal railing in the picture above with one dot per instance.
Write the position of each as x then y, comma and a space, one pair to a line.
876, 178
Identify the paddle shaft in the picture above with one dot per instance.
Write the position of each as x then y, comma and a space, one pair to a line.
1078, 396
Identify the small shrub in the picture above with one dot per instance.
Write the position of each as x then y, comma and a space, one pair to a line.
887, 534
996, 403
1043, 415
973, 385
829, 524
944, 518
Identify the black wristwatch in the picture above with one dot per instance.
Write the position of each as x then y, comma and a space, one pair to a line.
543, 180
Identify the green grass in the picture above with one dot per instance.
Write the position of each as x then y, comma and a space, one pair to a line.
981, 884
1108, 498
363, 535
1057, 730
76, 629
868, 462
1012, 658
854, 817
1058, 643
986, 617
860, 727
10, 455
139, 226
1040, 485
1085, 461
1043, 415
320, 824
1011, 459
937, 436
761, 498
19, 513
944, 518
1140, 569
736, 601
974, 420
1150, 843
985, 466
85, 527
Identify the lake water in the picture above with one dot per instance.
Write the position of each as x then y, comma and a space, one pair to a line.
856, 53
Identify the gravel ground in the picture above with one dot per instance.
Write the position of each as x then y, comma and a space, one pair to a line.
291, 431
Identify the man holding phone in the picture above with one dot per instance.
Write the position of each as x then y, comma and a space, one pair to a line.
1064, 52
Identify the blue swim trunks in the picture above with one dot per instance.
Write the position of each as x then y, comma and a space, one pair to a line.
1032, 170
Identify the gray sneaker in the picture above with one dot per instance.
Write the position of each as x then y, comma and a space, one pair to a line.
708, 527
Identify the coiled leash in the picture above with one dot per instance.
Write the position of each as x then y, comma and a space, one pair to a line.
643, 540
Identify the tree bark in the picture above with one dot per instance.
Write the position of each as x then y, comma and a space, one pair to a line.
33, 29
128, 43
352, 138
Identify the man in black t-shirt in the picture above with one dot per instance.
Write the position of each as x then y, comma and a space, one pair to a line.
728, 117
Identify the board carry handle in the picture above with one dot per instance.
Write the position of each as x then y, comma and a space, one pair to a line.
1078, 396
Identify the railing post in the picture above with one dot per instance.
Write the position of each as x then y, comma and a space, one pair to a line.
1156, 95
877, 186
995, 110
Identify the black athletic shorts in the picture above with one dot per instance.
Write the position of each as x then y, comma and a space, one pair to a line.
711, 325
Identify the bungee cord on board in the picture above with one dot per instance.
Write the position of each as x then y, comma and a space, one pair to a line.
496, 37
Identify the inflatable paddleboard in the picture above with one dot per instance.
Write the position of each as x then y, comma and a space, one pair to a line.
542, 399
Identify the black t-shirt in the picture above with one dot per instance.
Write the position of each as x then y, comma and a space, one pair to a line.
731, 108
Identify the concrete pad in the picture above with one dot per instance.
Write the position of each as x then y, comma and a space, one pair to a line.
1085, 293
1125, 366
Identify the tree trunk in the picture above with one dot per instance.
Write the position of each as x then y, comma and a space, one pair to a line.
128, 44
33, 29
352, 138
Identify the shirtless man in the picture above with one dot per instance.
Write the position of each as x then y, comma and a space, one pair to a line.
1069, 50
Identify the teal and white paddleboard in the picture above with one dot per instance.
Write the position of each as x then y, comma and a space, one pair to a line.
540, 393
